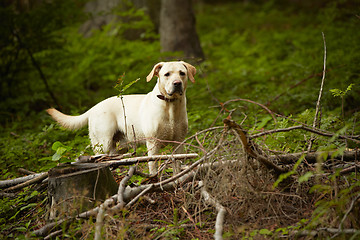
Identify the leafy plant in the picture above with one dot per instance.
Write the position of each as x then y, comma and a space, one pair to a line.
60, 149
173, 230
341, 93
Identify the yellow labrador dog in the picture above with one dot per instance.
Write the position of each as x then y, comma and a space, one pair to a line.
159, 115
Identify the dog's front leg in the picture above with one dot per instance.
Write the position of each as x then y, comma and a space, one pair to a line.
153, 149
177, 163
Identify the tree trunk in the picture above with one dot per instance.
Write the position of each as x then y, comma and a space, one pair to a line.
177, 29
77, 187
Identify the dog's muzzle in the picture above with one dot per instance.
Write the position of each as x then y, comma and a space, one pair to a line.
177, 87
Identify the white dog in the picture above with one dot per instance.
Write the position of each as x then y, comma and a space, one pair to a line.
159, 115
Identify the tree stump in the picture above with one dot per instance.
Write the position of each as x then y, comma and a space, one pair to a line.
75, 188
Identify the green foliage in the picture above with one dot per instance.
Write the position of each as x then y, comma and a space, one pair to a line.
17, 214
335, 201
271, 47
25, 146
119, 85
284, 176
268, 52
60, 149
341, 93
173, 230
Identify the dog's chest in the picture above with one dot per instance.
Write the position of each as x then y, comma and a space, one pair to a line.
172, 124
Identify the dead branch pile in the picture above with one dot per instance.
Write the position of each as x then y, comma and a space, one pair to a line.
229, 188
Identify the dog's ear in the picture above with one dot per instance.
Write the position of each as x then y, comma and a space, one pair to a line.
191, 71
155, 71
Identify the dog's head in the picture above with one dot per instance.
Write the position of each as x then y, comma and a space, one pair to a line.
173, 77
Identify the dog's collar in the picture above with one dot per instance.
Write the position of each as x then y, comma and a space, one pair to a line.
162, 97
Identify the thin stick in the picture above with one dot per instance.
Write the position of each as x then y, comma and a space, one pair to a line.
219, 224
54, 234
15, 181
139, 195
130, 161
38, 178
25, 171
348, 211
306, 128
314, 233
244, 140
320, 94
250, 101
99, 222
321, 131
120, 195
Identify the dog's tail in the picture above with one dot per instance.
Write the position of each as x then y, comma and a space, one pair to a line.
69, 122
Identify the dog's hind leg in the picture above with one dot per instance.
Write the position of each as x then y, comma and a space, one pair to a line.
101, 133
100, 145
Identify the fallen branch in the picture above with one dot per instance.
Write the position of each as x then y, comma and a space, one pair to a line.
120, 195
38, 178
135, 160
314, 156
306, 128
170, 183
219, 224
54, 234
352, 205
99, 222
244, 140
129, 193
7, 195
25, 171
15, 181
135, 199
250, 101
27, 180
314, 233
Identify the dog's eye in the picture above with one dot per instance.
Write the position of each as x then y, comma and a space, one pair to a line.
167, 74
182, 73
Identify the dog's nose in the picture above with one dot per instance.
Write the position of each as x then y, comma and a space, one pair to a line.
177, 83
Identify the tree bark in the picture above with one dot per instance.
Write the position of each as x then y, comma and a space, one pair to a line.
177, 29
74, 188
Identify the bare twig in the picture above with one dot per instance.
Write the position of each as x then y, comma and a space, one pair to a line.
54, 234
38, 178
146, 190
314, 233
99, 222
250, 101
320, 95
25, 171
135, 160
244, 140
43, 231
306, 128
129, 193
275, 131
219, 224
120, 195
197, 134
321, 131
348, 211
313, 156
15, 181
